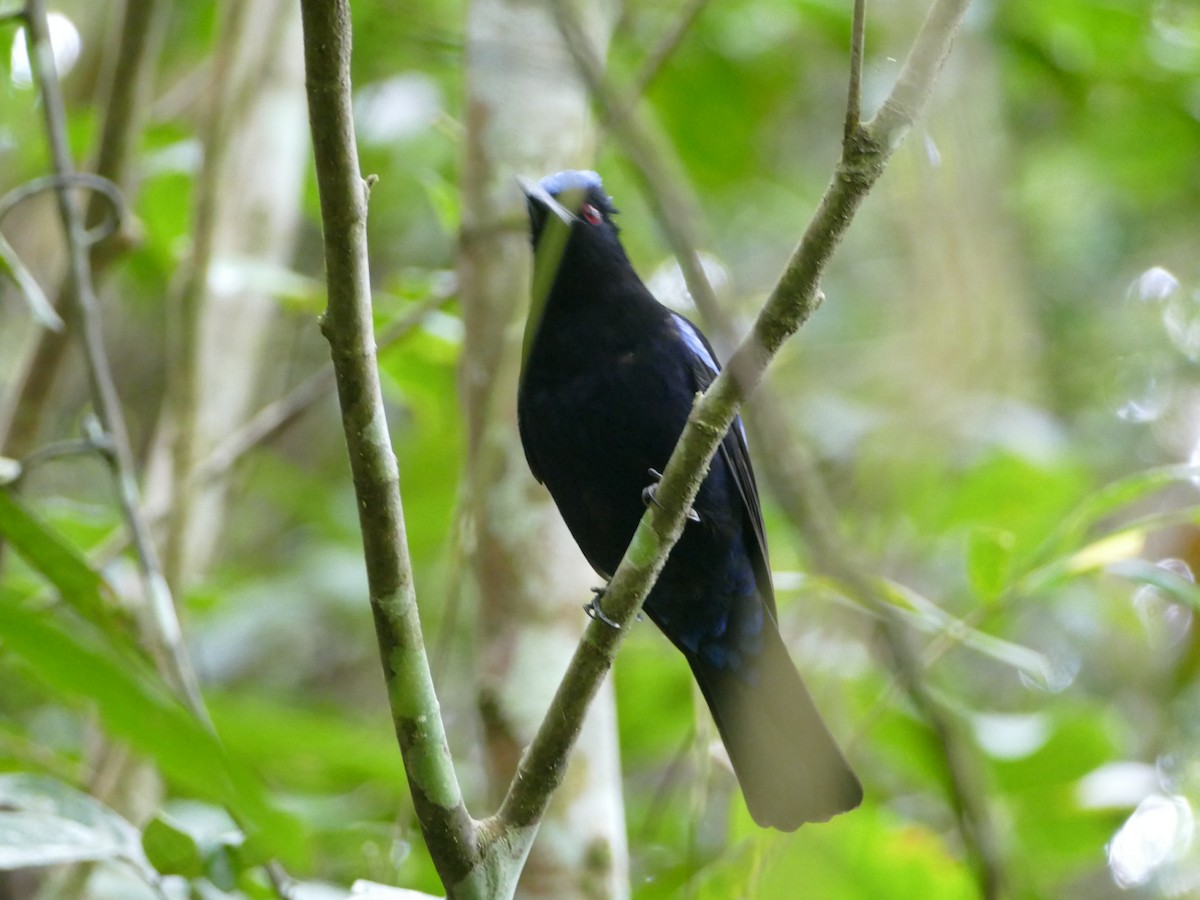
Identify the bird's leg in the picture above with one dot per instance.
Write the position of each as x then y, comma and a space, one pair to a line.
592, 607
649, 491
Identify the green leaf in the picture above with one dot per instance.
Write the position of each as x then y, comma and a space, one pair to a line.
1126, 543
1073, 530
222, 866
171, 849
989, 560
56, 559
134, 704
867, 853
444, 197
46, 822
30, 839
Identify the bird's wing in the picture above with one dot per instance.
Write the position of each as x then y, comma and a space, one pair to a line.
527, 445
736, 453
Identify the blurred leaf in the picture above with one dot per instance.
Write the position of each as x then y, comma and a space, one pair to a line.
1098, 505
989, 560
44, 822
171, 849
929, 617
222, 866
134, 704
309, 748
866, 853
57, 560
81, 586
1104, 552
1124, 544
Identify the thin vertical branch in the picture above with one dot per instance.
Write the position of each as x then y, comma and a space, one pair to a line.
854, 93
167, 637
449, 831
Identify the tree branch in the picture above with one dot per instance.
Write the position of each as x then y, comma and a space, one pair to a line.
657, 58
449, 831
132, 63
793, 300
671, 204
794, 479
854, 93
166, 635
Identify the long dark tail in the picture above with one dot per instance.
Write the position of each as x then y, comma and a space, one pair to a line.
787, 763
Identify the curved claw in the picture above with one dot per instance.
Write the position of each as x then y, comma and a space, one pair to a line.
593, 610
650, 490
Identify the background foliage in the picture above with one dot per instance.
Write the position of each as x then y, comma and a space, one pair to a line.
1001, 391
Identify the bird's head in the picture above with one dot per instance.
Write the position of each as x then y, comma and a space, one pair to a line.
570, 221
572, 196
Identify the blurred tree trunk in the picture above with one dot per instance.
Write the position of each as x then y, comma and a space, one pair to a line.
247, 211
527, 113
970, 339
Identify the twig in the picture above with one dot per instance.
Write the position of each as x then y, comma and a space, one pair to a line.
114, 209
854, 93
40, 308
132, 65
84, 446
449, 832
657, 58
278, 415
671, 204
167, 638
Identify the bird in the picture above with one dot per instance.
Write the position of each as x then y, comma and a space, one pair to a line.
608, 378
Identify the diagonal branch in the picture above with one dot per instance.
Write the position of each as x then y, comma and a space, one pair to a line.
657, 58
792, 301
660, 185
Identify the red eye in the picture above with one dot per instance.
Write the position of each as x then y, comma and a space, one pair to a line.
590, 214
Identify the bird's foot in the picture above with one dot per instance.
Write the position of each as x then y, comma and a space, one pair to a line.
594, 611
650, 490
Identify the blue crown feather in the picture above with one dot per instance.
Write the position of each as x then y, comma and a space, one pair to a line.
571, 179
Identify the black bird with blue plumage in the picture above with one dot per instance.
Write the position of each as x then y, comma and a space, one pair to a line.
608, 378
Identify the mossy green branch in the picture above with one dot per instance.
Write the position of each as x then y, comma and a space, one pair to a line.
794, 299
448, 829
